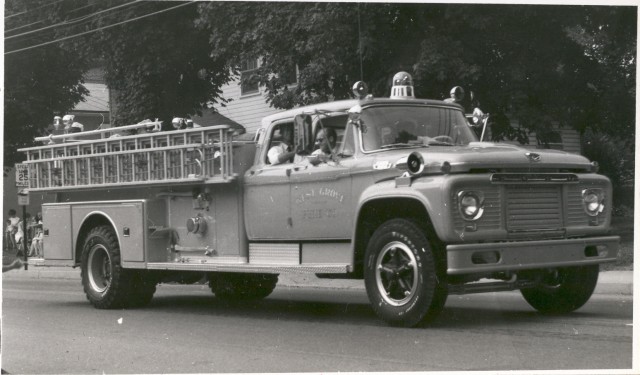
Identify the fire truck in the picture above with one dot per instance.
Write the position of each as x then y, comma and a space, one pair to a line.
407, 199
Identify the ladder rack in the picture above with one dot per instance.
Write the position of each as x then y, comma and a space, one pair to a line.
170, 157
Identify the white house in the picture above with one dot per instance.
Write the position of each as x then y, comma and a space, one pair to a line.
248, 102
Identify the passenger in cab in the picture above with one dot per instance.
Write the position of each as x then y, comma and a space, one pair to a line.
282, 151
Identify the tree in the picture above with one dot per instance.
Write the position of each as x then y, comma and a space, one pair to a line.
531, 63
39, 82
166, 70
537, 65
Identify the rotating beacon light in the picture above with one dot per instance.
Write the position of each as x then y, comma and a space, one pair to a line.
360, 90
402, 86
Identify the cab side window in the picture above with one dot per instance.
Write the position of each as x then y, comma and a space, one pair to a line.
279, 139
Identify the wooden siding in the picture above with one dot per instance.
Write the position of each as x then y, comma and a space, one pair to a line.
97, 100
246, 110
571, 141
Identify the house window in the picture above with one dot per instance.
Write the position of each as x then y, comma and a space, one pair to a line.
248, 81
550, 139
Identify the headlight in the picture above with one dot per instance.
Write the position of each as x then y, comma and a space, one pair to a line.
470, 205
593, 201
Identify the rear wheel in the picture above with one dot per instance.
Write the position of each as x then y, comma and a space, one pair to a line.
401, 275
563, 290
105, 282
239, 286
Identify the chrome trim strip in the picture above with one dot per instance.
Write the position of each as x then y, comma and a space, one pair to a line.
252, 268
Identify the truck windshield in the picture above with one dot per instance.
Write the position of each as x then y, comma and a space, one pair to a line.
396, 126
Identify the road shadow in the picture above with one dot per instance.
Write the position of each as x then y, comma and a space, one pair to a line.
301, 307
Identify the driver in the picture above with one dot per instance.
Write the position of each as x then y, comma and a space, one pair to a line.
325, 142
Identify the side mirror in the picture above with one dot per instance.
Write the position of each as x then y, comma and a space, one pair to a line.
303, 133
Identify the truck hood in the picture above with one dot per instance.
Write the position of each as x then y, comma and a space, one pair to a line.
490, 156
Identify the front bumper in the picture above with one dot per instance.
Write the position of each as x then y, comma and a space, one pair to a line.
513, 256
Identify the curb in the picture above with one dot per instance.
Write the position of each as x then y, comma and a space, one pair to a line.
609, 282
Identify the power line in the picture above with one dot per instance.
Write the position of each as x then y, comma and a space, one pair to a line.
31, 10
23, 26
98, 29
65, 23
41, 21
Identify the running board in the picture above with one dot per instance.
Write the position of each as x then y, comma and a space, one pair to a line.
251, 268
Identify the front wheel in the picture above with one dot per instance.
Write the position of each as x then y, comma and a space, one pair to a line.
401, 275
563, 290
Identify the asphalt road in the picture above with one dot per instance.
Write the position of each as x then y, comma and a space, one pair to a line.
49, 327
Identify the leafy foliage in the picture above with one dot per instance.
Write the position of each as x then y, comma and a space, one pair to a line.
165, 70
538, 65
39, 82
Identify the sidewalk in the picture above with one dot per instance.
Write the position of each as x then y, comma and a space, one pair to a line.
609, 282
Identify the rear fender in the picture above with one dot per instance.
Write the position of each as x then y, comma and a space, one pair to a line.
90, 221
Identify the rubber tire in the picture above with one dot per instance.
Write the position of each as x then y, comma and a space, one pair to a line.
241, 286
568, 292
111, 291
427, 297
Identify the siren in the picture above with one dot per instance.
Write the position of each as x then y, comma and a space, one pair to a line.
402, 86
413, 164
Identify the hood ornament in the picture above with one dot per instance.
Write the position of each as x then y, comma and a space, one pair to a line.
533, 157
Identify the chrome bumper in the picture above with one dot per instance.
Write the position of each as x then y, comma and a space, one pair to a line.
512, 256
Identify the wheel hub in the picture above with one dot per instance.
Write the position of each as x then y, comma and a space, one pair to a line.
397, 276
99, 268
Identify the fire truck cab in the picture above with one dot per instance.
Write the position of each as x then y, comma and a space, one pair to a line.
396, 191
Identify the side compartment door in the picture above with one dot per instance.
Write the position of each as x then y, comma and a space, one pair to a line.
57, 241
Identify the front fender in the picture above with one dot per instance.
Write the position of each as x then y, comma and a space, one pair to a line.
429, 193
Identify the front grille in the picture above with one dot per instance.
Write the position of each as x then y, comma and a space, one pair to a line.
548, 209
534, 207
